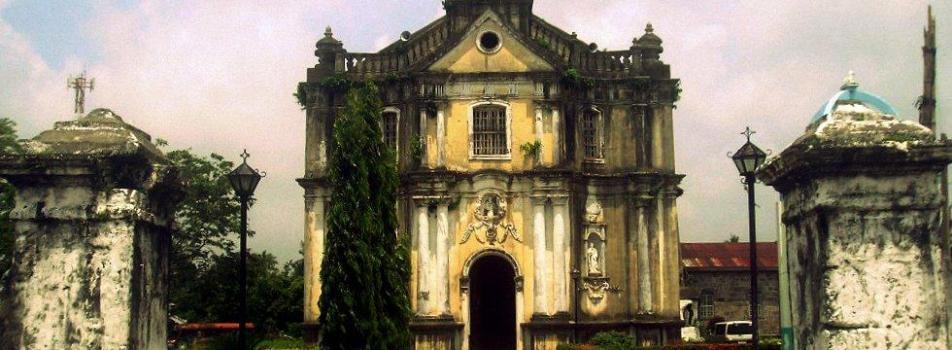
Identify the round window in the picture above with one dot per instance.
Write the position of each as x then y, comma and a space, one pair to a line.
489, 42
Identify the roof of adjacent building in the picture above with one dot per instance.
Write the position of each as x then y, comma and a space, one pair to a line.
727, 256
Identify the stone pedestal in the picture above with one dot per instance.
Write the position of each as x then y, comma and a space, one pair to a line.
868, 267
92, 220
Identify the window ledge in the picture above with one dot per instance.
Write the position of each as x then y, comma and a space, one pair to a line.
491, 157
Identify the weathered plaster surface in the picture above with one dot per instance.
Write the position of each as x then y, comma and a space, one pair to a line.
863, 207
92, 220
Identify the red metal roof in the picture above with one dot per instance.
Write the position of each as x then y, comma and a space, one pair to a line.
727, 256
232, 326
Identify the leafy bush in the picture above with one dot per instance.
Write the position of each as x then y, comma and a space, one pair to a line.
532, 149
621, 341
574, 78
285, 344
613, 341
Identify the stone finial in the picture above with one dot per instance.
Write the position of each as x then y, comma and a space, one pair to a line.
328, 41
650, 42
849, 82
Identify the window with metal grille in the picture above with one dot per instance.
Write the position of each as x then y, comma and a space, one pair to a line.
706, 308
591, 138
390, 129
489, 131
760, 307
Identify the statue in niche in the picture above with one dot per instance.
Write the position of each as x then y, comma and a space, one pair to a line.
592, 254
489, 213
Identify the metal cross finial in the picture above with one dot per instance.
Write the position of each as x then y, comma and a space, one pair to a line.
747, 133
80, 84
245, 156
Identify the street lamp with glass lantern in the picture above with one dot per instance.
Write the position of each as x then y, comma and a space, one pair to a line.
244, 179
747, 159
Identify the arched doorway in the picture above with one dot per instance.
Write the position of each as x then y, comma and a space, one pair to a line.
492, 304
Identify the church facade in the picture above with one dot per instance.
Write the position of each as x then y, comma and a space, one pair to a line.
537, 178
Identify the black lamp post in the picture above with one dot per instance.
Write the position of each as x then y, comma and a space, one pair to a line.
747, 159
244, 179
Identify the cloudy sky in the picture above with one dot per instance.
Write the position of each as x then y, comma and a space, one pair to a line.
217, 76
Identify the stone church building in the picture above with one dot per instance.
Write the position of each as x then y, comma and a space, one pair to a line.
537, 177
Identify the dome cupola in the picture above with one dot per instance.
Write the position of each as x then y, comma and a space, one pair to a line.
851, 94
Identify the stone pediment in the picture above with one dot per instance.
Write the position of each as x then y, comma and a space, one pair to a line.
511, 54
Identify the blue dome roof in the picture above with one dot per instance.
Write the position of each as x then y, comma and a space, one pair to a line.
850, 93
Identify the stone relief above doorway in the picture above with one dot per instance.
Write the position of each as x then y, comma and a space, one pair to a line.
490, 212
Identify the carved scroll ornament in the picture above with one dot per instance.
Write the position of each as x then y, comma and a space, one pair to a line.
489, 214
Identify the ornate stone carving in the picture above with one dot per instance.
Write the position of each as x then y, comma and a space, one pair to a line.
593, 213
490, 211
596, 287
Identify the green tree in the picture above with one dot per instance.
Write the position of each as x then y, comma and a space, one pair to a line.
364, 279
203, 264
274, 292
208, 219
8, 145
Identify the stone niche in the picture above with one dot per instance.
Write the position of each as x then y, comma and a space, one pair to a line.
863, 213
92, 219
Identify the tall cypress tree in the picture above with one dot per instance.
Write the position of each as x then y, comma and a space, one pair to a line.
365, 273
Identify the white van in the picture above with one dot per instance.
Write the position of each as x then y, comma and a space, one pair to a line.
733, 331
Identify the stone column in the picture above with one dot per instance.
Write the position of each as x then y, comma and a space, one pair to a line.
314, 227
556, 137
538, 122
672, 249
539, 129
657, 138
424, 292
441, 136
441, 279
424, 158
862, 207
644, 263
92, 220
560, 253
660, 252
540, 285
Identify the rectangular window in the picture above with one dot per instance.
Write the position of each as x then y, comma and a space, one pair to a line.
591, 139
706, 307
490, 131
390, 130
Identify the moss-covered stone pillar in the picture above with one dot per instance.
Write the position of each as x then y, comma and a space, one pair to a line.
862, 208
93, 216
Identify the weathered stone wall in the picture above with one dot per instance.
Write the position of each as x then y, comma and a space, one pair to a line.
92, 218
862, 208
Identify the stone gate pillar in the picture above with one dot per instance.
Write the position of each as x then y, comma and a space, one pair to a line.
862, 210
93, 214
